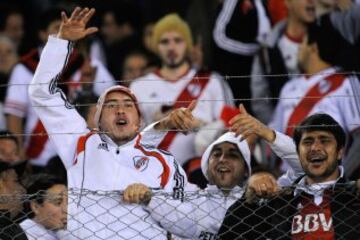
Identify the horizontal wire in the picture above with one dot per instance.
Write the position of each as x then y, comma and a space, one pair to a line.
156, 192
206, 100
151, 131
226, 77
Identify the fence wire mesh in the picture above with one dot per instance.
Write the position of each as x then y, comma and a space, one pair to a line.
292, 213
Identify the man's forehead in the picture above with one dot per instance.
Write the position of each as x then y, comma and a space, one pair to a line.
171, 34
317, 134
118, 96
226, 145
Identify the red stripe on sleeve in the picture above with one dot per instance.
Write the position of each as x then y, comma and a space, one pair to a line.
166, 170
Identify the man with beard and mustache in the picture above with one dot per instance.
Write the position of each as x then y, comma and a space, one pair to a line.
175, 84
321, 204
323, 88
226, 165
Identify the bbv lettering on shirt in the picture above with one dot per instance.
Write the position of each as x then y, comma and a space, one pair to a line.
310, 223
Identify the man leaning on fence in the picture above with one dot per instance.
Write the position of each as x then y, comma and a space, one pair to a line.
100, 163
321, 204
226, 165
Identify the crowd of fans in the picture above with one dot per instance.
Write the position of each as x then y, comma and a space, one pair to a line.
219, 78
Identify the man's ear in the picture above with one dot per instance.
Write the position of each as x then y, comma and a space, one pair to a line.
34, 207
314, 48
340, 154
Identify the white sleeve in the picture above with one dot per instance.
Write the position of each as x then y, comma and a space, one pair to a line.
176, 216
152, 137
17, 97
62, 122
350, 105
284, 147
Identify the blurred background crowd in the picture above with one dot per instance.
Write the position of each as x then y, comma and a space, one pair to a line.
252, 45
260, 53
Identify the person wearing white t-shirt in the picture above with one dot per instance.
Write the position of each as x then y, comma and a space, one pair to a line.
175, 84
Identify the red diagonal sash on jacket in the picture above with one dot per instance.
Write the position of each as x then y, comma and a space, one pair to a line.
39, 136
200, 80
311, 98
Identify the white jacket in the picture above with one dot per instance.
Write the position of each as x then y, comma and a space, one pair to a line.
94, 162
200, 214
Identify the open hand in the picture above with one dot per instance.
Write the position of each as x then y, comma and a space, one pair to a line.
74, 28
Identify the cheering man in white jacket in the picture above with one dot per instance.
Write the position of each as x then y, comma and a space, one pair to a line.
109, 159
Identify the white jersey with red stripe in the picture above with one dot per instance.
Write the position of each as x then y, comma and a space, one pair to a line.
303, 96
17, 103
156, 94
97, 168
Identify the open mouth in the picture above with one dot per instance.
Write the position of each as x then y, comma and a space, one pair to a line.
171, 56
121, 122
317, 160
223, 170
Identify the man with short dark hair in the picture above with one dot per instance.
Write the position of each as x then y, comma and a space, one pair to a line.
11, 203
321, 203
46, 208
9, 148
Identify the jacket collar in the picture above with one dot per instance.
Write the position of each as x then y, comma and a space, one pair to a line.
317, 188
105, 138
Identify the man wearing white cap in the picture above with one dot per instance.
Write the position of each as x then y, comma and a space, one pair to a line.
107, 160
226, 165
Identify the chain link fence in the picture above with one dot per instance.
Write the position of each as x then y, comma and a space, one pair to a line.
291, 213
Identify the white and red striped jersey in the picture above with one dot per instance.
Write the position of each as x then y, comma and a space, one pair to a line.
38, 148
156, 94
328, 91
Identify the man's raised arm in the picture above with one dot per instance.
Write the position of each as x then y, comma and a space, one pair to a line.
62, 122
